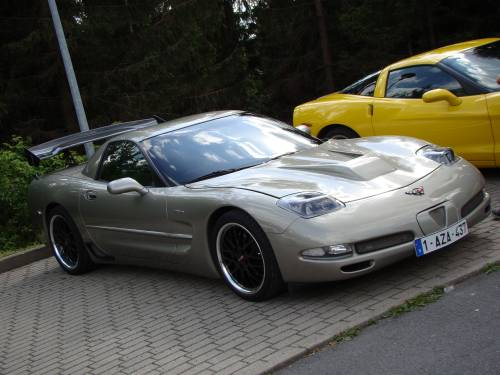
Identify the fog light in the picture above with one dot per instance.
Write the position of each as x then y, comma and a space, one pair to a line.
328, 251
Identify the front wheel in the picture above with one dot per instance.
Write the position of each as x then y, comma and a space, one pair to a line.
66, 243
339, 132
245, 257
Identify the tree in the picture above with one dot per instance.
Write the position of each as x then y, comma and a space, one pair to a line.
135, 58
32, 92
325, 44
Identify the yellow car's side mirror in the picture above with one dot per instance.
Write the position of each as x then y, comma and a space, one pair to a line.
437, 95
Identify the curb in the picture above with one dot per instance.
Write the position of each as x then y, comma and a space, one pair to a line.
322, 343
23, 258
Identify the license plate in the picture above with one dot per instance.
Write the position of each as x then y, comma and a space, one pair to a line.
438, 240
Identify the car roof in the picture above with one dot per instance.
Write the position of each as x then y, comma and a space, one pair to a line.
436, 55
169, 126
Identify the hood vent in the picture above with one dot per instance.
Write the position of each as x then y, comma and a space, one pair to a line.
345, 156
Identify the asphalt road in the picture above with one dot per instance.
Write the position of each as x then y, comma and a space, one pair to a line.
459, 334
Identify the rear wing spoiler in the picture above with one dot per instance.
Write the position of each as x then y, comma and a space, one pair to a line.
52, 148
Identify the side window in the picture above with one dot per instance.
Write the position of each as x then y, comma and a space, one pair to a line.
368, 90
125, 159
363, 87
413, 82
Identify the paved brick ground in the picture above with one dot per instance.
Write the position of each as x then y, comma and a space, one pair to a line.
133, 320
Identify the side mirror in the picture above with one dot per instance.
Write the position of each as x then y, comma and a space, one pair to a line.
126, 185
437, 95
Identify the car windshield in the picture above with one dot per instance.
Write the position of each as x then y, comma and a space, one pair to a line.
481, 64
223, 146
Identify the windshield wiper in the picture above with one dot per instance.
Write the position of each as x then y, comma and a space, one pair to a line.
280, 156
218, 173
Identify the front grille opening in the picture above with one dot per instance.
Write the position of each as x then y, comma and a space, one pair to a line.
383, 242
472, 204
439, 216
357, 266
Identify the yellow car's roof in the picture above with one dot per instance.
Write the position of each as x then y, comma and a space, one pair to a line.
434, 56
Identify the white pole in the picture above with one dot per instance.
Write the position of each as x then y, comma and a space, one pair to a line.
70, 74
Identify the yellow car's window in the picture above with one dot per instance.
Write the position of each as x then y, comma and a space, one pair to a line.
413, 82
363, 87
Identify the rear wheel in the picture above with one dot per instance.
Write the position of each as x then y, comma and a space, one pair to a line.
66, 243
339, 132
245, 258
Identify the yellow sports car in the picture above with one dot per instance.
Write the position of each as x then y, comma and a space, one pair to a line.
449, 96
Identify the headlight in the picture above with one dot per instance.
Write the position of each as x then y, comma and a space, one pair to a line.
441, 155
310, 204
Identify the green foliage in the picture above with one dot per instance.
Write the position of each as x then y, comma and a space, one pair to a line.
491, 267
15, 223
415, 303
347, 335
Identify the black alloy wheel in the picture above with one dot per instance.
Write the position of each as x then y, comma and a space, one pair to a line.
66, 243
245, 258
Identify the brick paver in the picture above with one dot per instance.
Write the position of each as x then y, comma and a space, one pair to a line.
134, 320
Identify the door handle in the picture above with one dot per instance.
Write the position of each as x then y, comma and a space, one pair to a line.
370, 109
90, 195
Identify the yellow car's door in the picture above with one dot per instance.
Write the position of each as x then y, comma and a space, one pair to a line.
463, 124
493, 100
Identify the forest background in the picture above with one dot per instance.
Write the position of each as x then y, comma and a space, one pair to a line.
136, 58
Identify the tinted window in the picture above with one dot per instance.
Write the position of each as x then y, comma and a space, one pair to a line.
412, 83
368, 90
364, 87
481, 64
125, 159
231, 142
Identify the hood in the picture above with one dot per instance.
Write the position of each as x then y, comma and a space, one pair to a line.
348, 169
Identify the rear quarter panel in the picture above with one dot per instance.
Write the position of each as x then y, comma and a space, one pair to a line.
55, 189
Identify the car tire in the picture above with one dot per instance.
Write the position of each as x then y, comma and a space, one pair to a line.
244, 257
66, 243
339, 132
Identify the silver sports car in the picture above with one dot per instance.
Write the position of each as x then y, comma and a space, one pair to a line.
253, 200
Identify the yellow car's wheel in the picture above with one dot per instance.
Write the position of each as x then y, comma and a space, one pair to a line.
338, 132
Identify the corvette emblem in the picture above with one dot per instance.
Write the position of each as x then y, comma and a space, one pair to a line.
416, 191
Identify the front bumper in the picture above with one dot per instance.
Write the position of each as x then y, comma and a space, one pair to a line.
383, 215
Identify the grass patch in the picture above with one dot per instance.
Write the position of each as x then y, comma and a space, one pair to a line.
408, 306
415, 303
491, 267
345, 336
